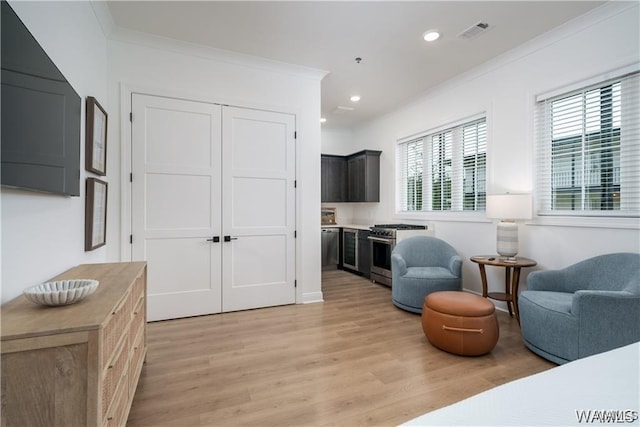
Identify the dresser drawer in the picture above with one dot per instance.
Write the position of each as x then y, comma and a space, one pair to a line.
116, 327
115, 417
138, 320
114, 374
137, 358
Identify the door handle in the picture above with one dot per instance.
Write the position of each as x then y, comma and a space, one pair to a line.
229, 238
381, 240
214, 239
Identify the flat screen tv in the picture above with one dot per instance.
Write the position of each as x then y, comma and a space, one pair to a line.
41, 116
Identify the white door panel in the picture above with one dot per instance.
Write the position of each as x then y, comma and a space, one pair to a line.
181, 278
176, 192
172, 207
258, 177
260, 275
269, 193
186, 269
264, 255
260, 145
191, 130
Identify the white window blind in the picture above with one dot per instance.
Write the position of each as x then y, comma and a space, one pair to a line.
588, 151
444, 170
441, 171
410, 159
474, 147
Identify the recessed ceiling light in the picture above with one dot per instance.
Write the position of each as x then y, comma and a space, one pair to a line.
355, 98
431, 35
322, 120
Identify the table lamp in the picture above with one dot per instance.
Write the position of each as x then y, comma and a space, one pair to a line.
508, 208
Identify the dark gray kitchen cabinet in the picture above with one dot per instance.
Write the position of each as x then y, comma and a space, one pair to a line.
353, 178
333, 178
363, 176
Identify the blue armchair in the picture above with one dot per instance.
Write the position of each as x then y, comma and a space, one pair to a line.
584, 309
421, 265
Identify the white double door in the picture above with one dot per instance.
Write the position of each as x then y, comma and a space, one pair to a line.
213, 206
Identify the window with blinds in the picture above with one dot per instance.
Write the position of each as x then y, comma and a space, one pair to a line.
588, 150
445, 170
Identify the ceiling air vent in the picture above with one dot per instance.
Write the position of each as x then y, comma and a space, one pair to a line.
474, 31
341, 110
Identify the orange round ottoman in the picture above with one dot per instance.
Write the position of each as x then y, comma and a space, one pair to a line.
460, 323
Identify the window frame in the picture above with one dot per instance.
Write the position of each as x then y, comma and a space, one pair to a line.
613, 218
456, 170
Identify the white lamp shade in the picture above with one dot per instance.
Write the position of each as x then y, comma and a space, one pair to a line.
509, 206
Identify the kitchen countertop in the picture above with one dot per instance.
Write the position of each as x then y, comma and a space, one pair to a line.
353, 226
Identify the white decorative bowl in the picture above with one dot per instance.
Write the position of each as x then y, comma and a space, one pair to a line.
61, 292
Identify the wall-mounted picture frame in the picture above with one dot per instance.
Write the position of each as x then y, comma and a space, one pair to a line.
95, 137
95, 219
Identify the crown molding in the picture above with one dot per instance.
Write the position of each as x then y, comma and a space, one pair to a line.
199, 51
113, 32
104, 17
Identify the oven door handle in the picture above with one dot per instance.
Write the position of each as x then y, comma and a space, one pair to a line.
381, 240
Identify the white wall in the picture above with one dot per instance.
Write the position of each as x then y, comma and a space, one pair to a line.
505, 88
336, 140
43, 235
165, 67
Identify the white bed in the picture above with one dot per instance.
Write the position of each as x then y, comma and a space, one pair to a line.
608, 381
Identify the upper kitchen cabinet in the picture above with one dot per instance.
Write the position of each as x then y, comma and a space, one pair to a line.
353, 178
334, 178
363, 176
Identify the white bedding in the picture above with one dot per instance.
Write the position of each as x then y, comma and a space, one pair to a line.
603, 384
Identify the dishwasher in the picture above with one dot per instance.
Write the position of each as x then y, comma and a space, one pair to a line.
330, 241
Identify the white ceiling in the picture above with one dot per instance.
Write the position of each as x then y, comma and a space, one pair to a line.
397, 64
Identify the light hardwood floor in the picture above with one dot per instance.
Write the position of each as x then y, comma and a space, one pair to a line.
353, 360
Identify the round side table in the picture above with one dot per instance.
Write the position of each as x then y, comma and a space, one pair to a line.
511, 278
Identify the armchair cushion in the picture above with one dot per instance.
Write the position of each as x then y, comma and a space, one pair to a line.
421, 265
559, 302
429, 273
587, 308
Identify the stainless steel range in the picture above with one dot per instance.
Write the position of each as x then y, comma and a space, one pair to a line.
384, 238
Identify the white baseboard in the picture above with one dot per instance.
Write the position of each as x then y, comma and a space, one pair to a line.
312, 297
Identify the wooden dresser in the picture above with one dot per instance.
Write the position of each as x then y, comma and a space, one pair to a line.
76, 365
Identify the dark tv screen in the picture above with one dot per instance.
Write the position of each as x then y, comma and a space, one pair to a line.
41, 115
